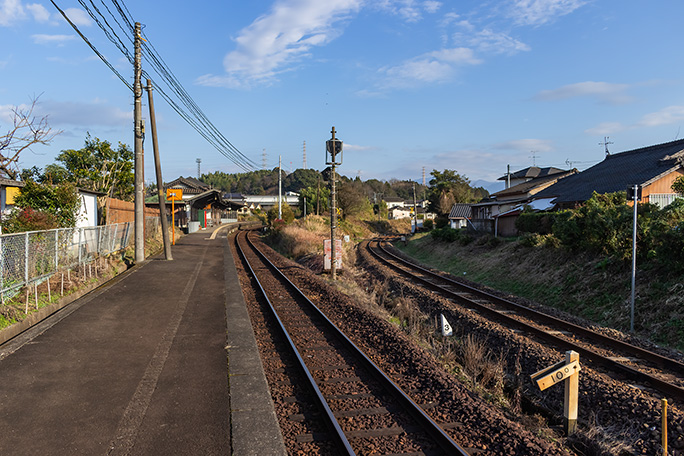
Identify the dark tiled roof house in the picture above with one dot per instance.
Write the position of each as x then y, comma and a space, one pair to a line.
654, 168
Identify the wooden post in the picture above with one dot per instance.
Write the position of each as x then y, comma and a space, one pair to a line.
664, 426
571, 395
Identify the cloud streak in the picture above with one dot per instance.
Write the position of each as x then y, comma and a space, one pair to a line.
666, 116
604, 92
540, 12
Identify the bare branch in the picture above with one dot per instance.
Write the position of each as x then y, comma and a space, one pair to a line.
26, 131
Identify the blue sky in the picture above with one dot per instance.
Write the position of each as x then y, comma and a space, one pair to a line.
466, 85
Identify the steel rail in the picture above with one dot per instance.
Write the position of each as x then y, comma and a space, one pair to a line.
429, 425
340, 437
674, 391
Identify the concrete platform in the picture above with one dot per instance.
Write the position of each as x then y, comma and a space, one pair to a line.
140, 367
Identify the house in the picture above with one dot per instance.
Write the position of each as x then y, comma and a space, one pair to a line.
394, 201
527, 174
200, 205
459, 215
9, 189
498, 213
399, 212
654, 168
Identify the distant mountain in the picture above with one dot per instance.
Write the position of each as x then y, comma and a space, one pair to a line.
491, 187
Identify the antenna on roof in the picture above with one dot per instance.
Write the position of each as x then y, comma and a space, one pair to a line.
605, 144
534, 157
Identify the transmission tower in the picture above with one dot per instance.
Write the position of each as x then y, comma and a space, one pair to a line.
199, 163
423, 176
304, 154
263, 159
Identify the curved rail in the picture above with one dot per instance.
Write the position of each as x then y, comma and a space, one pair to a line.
441, 283
428, 424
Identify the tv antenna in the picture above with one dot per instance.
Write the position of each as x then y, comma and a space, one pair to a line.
605, 144
534, 157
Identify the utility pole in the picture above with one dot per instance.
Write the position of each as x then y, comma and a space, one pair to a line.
138, 147
318, 195
280, 187
158, 172
508, 176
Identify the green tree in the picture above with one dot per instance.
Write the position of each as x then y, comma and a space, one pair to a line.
99, 167
44, 206
448, 187
678, 185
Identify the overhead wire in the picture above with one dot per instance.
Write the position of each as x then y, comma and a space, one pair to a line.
102, 57
174, 93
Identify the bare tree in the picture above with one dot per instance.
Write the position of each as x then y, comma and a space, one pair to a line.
26, 131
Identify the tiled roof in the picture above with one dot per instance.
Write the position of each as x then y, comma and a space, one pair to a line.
525, 187
619, 171
460, 210
532, 172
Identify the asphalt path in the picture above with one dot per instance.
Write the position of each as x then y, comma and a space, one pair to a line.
136, 368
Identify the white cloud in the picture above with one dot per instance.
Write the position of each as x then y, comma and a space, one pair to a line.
11, 11
666, 116
278, 39
52, 39
539, 12
606, 129
409, 10
603, 91
526, 145
78, 17
40, 14
432, 67
357, 148
96, 113
497, 43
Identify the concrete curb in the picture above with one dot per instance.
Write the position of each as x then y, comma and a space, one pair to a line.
254, 425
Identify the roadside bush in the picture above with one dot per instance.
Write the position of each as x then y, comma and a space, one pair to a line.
29, 219
535, 222
441, 222
447, 234
428, 224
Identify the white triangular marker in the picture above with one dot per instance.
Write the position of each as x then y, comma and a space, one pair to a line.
447, 330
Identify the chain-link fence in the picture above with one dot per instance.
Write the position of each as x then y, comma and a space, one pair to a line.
32, 256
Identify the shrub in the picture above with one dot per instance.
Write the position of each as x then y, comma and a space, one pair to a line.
29, 219
428, 224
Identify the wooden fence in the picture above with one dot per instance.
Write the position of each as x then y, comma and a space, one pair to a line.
124, 211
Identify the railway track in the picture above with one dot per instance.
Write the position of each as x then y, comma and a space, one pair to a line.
643, 368
363, 409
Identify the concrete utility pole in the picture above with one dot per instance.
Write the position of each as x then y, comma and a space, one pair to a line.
157, 169
139, 165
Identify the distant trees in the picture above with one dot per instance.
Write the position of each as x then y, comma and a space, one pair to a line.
26, 131
448, 187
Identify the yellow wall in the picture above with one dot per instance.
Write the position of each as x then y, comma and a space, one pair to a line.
10, 194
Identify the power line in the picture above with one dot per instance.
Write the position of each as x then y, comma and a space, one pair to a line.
175, 94
130, 87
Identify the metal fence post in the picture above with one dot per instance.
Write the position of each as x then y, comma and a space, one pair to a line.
80, 233
26, 258
56, 250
